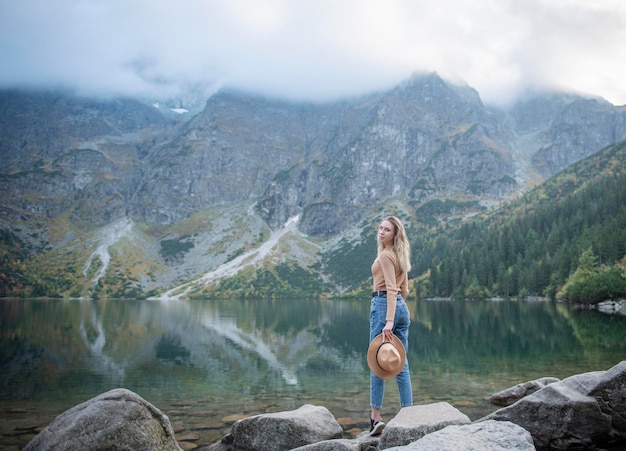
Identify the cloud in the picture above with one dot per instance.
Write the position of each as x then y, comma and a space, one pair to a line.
313, 49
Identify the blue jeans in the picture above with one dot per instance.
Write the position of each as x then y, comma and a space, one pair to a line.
401, 324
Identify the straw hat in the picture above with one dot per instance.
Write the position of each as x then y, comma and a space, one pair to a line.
386, 359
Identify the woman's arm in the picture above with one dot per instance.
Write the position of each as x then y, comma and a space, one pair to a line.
387, 263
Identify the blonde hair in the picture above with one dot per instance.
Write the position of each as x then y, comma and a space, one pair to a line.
401, 245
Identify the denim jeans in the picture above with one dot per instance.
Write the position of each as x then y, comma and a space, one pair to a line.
401, 325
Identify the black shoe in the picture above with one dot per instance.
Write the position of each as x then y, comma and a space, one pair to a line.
376, 428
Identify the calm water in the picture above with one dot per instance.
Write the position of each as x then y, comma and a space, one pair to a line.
204, 362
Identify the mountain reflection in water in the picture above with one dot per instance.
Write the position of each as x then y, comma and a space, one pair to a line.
214, 358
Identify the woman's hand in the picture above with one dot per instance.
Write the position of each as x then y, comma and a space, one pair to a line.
387, 331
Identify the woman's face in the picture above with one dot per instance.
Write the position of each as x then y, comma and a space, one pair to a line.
386, 233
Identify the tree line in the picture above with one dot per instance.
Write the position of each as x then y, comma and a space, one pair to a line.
564, 239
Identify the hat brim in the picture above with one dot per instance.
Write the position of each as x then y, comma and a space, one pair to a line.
372, 362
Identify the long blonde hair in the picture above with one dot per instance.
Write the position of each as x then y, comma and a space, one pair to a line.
401, 245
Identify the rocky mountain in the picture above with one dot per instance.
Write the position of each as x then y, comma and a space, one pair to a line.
113, 197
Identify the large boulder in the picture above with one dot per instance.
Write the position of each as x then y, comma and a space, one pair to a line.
412, 423
118, 419
513, 394
485, 436
581, 412
281, 430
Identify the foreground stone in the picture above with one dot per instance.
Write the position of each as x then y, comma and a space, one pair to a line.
412, 423
584, 411
282, 430
118, 419
486, 436
514, 394
362, 443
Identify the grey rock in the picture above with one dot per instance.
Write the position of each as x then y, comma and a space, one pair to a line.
282, 430
486, 436
583, 121
513, 394
580, 412
331, 445
412, 423
118, 419
612, 307
364, 442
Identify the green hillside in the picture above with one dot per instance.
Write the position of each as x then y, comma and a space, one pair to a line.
565, 239
531, 246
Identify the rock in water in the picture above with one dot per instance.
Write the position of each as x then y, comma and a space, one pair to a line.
117, 419
580, 412
282, 430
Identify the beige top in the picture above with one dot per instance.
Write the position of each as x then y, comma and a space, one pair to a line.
389, 278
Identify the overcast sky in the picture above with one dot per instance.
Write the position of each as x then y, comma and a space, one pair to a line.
314, 49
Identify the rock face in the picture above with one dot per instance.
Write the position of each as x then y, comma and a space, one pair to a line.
118, 419
282, 430
486, 436
63, 153
413, 423
566, 133
425, 138
514, 394
581, 412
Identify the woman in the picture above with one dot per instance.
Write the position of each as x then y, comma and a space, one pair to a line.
389, 314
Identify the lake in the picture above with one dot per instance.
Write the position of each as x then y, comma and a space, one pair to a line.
205, 363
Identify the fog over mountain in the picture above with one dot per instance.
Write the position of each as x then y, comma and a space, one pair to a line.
313, 50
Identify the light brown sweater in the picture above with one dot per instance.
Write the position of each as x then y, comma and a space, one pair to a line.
388, 277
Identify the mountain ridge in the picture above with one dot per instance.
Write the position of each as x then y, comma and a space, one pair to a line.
259, 162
